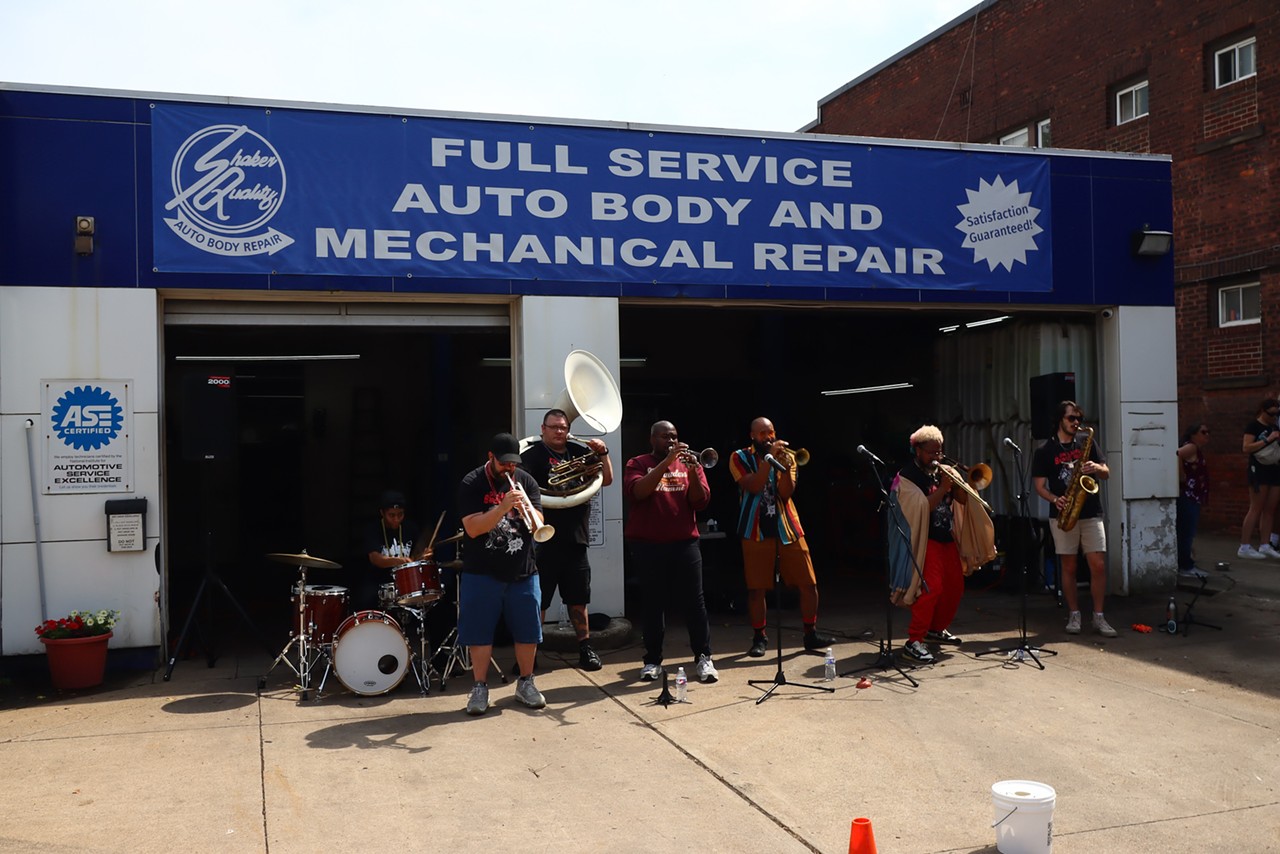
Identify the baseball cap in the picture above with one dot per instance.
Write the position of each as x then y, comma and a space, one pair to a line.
505, 448
389, 499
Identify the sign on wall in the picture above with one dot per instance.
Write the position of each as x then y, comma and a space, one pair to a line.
253, 190
88, 436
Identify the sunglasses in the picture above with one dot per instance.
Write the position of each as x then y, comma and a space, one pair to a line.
1073, 418
1204, 432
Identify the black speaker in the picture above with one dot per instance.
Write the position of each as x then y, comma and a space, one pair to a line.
1047, 391
209, 416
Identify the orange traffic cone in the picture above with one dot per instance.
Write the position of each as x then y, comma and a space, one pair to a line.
861, 838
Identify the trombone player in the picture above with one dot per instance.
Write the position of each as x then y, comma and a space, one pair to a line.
562, 560
769, 526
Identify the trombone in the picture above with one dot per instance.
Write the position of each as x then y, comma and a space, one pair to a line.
978, 477
541, 531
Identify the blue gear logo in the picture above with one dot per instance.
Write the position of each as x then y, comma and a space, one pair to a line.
87, 418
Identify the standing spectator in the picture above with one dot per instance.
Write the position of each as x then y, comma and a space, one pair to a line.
1260, 437
1193, 474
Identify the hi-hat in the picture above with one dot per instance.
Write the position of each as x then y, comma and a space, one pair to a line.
303, 559
452, 539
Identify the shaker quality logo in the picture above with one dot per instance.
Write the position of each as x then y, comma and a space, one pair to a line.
228, 182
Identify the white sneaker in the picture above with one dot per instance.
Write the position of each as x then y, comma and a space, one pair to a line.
1268, 551
917, 651
1250, 552
650, 672
1102, 627
706, 670
1073, 623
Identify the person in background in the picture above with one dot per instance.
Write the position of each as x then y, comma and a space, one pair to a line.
1193, 493
388, 543
1260, 435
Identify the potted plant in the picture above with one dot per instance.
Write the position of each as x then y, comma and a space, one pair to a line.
77, 647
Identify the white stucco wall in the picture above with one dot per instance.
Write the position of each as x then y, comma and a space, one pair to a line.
75, 333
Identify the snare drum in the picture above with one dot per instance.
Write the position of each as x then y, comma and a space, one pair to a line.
370, 654
417, 583
326, 608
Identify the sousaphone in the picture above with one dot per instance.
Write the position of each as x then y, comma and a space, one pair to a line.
590, 393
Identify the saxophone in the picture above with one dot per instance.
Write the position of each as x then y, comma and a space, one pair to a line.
1080, 487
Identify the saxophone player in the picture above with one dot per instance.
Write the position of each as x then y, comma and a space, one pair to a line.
1057, 463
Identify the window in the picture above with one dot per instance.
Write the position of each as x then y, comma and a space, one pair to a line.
1131, 103
1234, 63
1044, 139
1239, 305
1020, 137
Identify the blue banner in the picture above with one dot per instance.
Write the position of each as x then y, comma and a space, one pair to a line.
254, 190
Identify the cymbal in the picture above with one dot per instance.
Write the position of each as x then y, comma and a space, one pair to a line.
303, 559
452, 539
453, 564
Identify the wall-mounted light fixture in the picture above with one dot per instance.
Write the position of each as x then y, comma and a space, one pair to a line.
84, 235
1148, 241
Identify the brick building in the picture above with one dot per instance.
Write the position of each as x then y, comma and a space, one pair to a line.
1195, 80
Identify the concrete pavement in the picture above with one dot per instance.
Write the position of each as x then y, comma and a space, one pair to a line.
1153, 743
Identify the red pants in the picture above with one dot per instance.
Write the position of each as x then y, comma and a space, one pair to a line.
944, 575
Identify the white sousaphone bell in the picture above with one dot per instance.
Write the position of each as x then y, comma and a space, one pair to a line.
590, 393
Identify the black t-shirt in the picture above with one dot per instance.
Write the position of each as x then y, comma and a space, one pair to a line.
505, 552
391, 542
570, 522
940, 518
1259, 432
1055, 461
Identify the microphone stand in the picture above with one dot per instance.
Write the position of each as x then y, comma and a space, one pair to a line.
779, 679
1021, 523
886, 658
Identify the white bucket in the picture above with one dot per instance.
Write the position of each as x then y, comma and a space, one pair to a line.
1024, 816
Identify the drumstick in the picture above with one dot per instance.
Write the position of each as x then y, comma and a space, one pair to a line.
432, 541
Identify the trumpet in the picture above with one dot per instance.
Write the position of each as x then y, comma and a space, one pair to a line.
707, 458
540, 530
962, 482
800, 456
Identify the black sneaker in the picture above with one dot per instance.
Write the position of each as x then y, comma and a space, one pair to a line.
917, 651
943, 636
759, 646
815, 640
587, 658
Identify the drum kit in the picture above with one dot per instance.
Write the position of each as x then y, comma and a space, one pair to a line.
368, 651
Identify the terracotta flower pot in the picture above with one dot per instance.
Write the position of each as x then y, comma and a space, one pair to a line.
77, 662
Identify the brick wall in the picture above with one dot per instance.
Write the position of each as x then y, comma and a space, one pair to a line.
1020, 61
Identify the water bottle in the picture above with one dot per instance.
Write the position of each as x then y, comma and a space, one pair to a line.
682, 686
829, 673
1171, 616
563, 625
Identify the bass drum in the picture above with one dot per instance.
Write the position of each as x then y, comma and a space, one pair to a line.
370, 654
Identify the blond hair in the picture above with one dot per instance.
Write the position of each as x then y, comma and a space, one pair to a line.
927, 433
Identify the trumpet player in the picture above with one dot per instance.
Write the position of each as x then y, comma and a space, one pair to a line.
769, 526
1052, 469
500, 506
665, 489
562, 560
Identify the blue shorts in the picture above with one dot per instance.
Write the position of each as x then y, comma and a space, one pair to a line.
481, 600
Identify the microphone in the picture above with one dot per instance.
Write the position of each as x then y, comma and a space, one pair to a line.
1013, 445
768, 458
866, 452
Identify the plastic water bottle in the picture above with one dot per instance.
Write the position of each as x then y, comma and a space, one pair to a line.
563, 625
1171, 616
829, 672
682, 686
